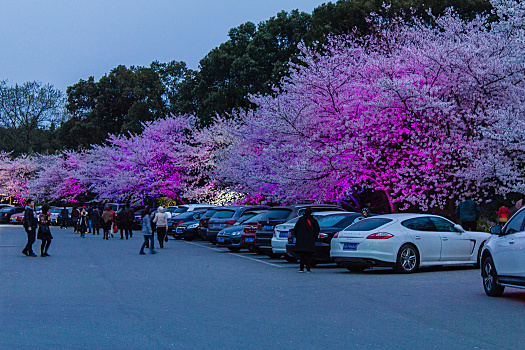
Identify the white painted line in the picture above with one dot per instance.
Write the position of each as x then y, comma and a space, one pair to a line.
237, 255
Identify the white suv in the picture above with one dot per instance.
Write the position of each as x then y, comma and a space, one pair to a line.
503, 257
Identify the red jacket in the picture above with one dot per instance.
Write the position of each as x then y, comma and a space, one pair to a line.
504, 214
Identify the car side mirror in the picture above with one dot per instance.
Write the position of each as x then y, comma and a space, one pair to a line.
459, 228
496, 230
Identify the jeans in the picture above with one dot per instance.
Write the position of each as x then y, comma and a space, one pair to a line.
147, 238
89, 225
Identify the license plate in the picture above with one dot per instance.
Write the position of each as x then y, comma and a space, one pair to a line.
283, 234
220, 240
350, 246
294, 240
216, 225
268, 227
170, 223
248, 240
179, 230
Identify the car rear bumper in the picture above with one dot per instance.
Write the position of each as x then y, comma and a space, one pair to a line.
279, 245
362, 262
263, 243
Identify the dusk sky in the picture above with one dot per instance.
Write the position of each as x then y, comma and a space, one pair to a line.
62, 41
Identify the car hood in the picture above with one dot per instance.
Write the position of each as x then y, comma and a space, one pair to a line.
230, 230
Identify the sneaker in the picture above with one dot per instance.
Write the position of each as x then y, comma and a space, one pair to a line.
31, 254
301, 270
308, 271
142, 253
25, 252
153, 252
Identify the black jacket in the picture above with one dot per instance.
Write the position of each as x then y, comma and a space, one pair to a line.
305, 232
30, 219
123, 216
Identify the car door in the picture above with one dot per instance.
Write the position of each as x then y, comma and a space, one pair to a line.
425, 237
455, 245
508, 248
506, 252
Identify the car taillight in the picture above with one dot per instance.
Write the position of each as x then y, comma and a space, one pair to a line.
259, 227
180, 222
336, 234
274, 233
322, 235
230, 222
290, 233
380, 235
201, 222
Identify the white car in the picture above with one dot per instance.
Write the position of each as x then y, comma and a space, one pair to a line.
503, 257
280, 234
406, 242
190, 207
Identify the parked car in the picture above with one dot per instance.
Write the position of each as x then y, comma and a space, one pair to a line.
53, 215
227, 216
5, 213
231, 237
2, 206
503, 257
185, 225
279, 215
330, 222
17, 218
191, 207
406, 242
203, 222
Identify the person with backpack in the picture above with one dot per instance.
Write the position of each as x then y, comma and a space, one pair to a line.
161, 222
305, 232
44, 233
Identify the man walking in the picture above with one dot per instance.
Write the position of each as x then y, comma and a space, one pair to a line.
64, 213
122, 222
95, 220
468, 213
30, 225
131, 219
89, 219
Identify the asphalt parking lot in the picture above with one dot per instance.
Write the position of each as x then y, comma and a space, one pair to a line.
96, 294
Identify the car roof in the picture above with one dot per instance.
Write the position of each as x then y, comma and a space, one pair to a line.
305, 206
405, 216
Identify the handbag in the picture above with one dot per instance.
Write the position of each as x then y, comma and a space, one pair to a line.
115, 229
165, 238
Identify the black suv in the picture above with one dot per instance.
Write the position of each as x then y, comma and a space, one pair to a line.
278, 215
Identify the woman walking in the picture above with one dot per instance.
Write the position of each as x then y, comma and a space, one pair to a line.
305, 232
147, 232
161, 222
82, 223
44, 233
107, 218
75, 214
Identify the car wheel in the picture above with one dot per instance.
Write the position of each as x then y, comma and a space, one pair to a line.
234, 249
407, 259
189, 239
356, 269
290, 259
258, 251
490, 276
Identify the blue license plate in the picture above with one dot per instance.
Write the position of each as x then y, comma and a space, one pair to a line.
216, 225
268, 227
248, 240
350, 246
293, 240
283, 234
179, 230
220, 240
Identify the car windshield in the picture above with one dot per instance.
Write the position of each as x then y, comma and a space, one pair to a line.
57, 210
368, 224
245, 217
334, 220
223, 214
278, 214
256, 218
186, 215
171, 210
209, 213
180, 210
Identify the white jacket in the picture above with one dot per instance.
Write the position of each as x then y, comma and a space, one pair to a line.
161, 219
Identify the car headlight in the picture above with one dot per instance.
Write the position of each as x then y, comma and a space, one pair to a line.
192, 226
236, 233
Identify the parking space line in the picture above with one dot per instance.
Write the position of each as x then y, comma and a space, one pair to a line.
237, 255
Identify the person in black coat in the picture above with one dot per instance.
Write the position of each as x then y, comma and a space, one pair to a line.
30, 225
65, 217
131, 219
122, 222
305, 232
44, 233
95, 220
